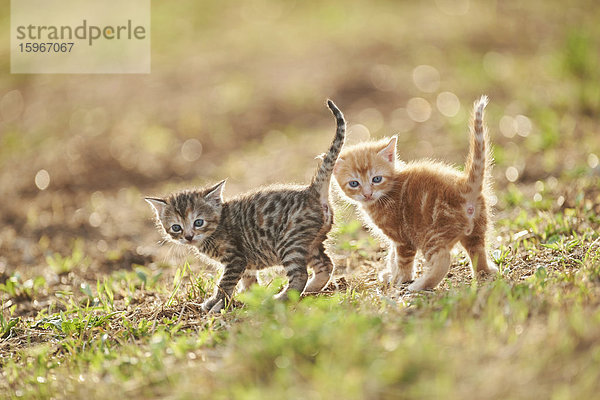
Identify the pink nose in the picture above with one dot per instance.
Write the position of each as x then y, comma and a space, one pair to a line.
368, 196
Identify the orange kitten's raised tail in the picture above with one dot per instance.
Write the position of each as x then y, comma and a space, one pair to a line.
477, 162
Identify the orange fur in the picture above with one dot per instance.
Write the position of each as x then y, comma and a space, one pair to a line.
423, 205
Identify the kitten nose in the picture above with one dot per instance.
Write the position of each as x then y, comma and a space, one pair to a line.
189, 237
368, 195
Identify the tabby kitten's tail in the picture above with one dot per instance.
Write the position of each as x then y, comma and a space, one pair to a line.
323, 175
478, 161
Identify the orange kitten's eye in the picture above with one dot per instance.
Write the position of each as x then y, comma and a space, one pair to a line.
377, 179
353, 184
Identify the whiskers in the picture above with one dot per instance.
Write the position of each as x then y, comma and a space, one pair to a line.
175, 252
385, 201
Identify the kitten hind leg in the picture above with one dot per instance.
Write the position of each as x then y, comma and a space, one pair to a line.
480, 262
294, 264
438, 264
248, 279
322, 267
399, 264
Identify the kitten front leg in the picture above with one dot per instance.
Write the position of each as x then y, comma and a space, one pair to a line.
438, 264
234, 267
386, 276
399, 264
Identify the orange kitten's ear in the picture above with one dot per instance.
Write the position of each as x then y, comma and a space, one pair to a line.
389, 151
157, 204
336, 167
215, 194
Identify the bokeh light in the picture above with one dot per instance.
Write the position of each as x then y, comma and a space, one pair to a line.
372, 118
512, 174
448, 104
522, 125
358, 133
418, 109
539, 186
95, 219
426, 78
42, 179
191, 150
508, 126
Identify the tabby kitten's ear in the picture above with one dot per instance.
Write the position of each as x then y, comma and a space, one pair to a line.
389, 151
157, 204
215, 194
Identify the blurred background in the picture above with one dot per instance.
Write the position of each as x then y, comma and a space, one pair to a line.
237, 91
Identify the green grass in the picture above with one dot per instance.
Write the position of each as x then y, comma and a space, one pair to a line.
140, 335
352, 345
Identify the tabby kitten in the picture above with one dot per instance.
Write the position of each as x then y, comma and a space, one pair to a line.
278, 225
422, 205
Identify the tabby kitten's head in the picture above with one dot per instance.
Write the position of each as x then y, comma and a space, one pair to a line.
189, 217
365, 171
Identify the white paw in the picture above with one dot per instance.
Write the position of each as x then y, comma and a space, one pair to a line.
492, 269
417, 286
405, 277
213, 305
283, 296
385, 276
315, 286
489, 270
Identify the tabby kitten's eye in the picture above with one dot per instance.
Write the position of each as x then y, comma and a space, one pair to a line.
353, 184
198, 223
176, 228
377, 179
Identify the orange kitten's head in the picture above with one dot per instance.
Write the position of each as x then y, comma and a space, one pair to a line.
365, 171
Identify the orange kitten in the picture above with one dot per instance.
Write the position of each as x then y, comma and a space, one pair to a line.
422, 205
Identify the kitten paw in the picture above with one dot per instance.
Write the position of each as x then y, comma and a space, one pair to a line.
418, 285
405, 277
315, 286
385, 276
282, 296
488, 271
388, 277
213, 305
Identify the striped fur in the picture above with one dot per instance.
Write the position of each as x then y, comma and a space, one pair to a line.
278, 225
321, 180
423, 205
